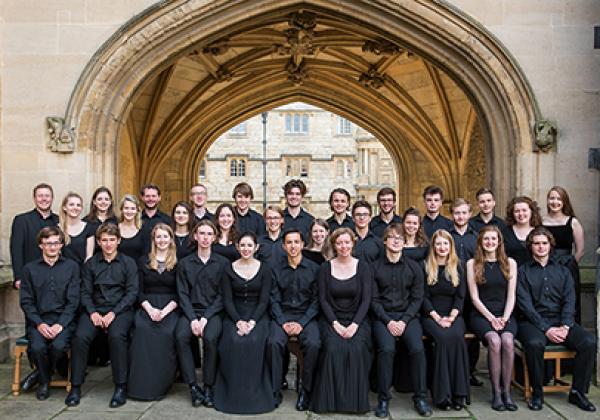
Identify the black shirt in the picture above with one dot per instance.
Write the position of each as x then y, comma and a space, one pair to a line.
134, 247
207, 216
431, 225
50, 293
370, 248
477, 222
148, 224
271, 251
464, 244
398, 289
198, 285
23, 239
295, 292
251, 222
546, 295
109, 286
333, 223
302, 222
378, 225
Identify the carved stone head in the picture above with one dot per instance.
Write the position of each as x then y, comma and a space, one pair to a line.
545, 134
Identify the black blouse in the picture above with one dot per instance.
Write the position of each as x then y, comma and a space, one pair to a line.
238, 292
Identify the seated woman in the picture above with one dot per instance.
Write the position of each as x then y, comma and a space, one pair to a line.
445, 290
492, 280
243, 384
345, 284
152, 350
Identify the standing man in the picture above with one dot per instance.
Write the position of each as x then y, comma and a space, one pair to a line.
198, 278
271, 243
151, 215
49, 298
397, 297
294, 307
368, 247
198, 196
109, 291
339, 202
546, 297
248, 219
433, 196
386, 199
486, 203
294, 215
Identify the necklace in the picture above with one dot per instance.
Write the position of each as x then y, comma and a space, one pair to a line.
180, 239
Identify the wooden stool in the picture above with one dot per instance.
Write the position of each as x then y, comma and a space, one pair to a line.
554, 352
21, 345
294, 348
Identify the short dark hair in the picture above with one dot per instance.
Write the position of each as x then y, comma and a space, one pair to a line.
540, 230
49, 231
291, 231
247, 234
362, 203
393, 228
149, 187
482, 191
294, 183
386, 191
108, 228
43, 185
433, 189
242, 188
339, 191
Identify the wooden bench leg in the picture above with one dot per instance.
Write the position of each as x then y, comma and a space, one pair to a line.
16, 385
526, 386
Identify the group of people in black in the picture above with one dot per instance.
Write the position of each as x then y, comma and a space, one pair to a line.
348, 289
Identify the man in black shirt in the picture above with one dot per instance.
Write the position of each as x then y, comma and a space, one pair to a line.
270, 248
433, 196
198, 279
397, 297
294, 215
248, 219
294, 307
108, 292
26, 226
198, 197
486, 203
49, 298
339, 202
546, 297
151, 215
368, 247
386, 199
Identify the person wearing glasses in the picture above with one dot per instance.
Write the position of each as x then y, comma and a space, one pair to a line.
368, 246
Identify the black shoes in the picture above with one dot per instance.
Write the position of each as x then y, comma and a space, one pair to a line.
303, 400
383, 409
581, 401
497, 403
74, 397
119, 397
444, 405
43, 392
209, 396
458, 403
277, 398
509, 404
474, 380
536, 403
196, 394
422, 407
30, 380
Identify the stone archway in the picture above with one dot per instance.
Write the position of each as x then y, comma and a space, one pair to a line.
449, 44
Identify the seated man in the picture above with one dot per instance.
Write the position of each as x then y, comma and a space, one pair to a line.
109, 288
294, 305
397, 297
546, 297
49, 297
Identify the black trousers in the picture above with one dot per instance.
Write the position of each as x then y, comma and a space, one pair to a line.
210, 342
385, 343
534, 340
118, 344
46, 353
310, 343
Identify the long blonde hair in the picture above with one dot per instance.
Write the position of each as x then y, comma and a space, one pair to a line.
479, 259
63, 214
171, 260
138, 216
451, 268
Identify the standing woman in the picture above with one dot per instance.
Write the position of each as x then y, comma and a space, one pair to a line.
227, 232
152, 350
271, 244
492, 280
183, 224
345, 287
415, 246
445, 290
318, 248
79, 235
522, 216
101, 208
130, 226
243, 384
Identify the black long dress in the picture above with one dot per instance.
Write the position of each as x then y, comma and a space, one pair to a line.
493, 295
77, 248
243, 384
153, 359
450, 368
342, 381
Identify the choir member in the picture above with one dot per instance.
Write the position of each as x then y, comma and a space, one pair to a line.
486, 216
130, 227
79, 235
433, 197
101, 209
386, 200
339, 203
367, 246
198, 197
294, 215
270, 243
183, 224
415, 242
522, 215
151, 215
248, 219
318, 248
227, 232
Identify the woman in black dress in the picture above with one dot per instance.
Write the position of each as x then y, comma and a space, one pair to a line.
153, 360
270, 243
243, 384
101, 209
416, 246
79, 235
522, 215
183, 224
492, 280
345, 290
130, 226
227, 232
445, 290
317, 246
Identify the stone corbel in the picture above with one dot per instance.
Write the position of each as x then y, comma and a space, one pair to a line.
296, 72
372, 78
62, 138
545, 132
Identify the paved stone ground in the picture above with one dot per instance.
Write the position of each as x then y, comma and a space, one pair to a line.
98, 390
